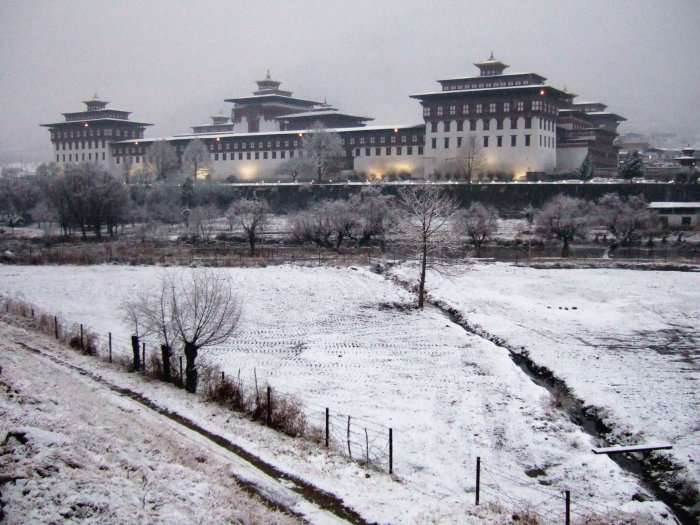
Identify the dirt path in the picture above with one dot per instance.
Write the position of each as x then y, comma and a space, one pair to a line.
86, 449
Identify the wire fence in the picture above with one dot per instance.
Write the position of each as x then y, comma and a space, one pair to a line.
362, 440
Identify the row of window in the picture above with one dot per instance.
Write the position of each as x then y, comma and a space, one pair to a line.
81, 145
482, 85
545, 142
397, 150
90, 132
546, 124
491, 107
79, 157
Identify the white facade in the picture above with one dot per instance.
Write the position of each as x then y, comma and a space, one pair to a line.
444, 149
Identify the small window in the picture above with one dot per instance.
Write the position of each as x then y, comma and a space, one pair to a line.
388, 150
499, 141
409, 150
426, 112
486, 141
513, 140
453, 109
465, 109
514, 123
447, 142
528, 122
492, 107
433, 127
478, 108
377, 151
459, 142
460, 125
527, 140
446, 126
439, 111
506, 107
433, 143
487, 124
472, 125
368, 152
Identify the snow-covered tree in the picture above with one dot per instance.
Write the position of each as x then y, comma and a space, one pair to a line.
425, 216
252, 215
478, 222
625, 219
375, 214
323, 150
162, 159
471, 158
195, 156
564, 218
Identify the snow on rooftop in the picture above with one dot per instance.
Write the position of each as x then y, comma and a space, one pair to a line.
664, 205
478, 90
320, 113
222, 135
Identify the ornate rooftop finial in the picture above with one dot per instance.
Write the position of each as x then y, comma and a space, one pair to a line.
491, 56
268, 75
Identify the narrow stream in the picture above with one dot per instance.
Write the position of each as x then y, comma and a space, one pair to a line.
650, 469
645, 467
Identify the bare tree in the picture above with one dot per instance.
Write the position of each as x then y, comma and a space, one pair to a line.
314, 225
375, 214
478, 222
88, 197
163, 159
205, 312
151, 314
253, 216
323, 150
426, 212
564, 218
625, 219
295, 167
195, 156
471, 158
203, 219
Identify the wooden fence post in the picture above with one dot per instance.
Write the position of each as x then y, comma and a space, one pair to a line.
567, 507
180, 370
391, 451
143, 357
327, 427
110, 347
269, 406
135, 352
55, 326
349, 450
478, 478
82, 344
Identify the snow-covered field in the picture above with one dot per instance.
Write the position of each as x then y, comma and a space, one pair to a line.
334, 338
83, 454
626, 341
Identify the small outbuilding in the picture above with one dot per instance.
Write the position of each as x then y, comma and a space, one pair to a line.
678, 215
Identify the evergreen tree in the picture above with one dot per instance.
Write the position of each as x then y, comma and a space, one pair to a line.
586, 170
632, 166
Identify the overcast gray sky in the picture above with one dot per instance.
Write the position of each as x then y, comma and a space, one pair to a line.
172, 62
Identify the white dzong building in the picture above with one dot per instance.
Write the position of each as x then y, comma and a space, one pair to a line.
517, 124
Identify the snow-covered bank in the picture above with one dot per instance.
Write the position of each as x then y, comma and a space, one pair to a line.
627, 341
82, 454
333, 337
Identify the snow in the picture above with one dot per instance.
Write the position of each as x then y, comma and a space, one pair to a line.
335, 338
663, 205
92, 456
626, 341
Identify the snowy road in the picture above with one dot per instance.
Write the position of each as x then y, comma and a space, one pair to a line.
83, 453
